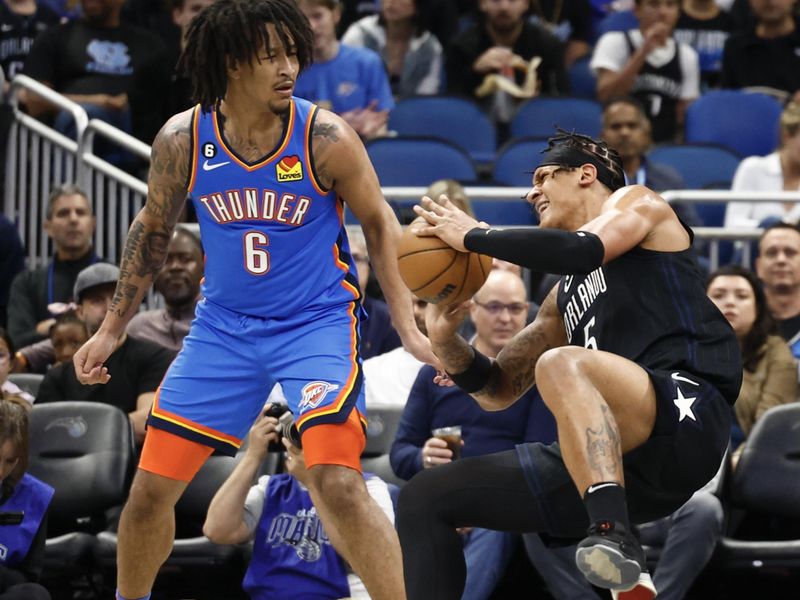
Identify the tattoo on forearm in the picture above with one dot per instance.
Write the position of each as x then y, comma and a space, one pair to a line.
456, 354
603, 447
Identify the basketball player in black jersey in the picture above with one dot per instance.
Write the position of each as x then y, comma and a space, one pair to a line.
637, 365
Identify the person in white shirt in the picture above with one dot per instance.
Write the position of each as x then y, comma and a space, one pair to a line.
649, 64
776, 172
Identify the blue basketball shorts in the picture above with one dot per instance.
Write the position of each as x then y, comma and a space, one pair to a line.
219, 382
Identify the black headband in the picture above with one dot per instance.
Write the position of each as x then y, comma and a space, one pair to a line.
564, 156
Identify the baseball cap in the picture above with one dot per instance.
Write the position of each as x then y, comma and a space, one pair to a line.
94, 275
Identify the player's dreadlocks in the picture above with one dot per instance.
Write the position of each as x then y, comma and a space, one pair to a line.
562, 148
230, 32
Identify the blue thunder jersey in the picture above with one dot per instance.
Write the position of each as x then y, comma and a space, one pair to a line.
31, 497
274, 237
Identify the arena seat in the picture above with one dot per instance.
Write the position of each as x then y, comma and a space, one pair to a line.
517, 159
456, 120
745, 122
582, 82
621, 20
418, 161
382, 422
85, 451
700, 165
538, 117
192, 550
28, 382
765, 487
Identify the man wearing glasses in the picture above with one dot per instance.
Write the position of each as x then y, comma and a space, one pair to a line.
499, 310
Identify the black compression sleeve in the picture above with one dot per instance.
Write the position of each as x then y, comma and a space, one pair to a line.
543, 250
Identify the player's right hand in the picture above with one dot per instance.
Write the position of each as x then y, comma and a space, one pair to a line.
444, 320
90, 358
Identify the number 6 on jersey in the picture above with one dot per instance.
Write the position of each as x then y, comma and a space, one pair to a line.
256, 258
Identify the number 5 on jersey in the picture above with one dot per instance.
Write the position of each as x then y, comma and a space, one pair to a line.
256, 258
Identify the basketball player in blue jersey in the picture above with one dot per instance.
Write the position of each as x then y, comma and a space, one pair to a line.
639, 368
268, 174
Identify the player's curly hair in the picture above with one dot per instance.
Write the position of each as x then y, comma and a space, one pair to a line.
230, 32
608, 157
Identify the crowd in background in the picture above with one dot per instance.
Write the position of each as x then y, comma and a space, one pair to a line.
110, 56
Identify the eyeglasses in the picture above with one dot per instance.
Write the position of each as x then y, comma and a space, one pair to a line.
495, 308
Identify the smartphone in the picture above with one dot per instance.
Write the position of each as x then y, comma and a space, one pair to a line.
12, 517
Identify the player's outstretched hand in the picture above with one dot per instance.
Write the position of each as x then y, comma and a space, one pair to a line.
443, 320
444, 220
90, 358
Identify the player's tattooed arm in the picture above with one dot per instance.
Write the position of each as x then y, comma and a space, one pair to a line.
146, 246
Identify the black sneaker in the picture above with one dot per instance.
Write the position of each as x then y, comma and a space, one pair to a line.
610, 556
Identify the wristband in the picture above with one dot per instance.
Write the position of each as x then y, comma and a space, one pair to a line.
476, 375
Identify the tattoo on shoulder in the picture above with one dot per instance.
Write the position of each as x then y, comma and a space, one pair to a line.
323, 136
169, 169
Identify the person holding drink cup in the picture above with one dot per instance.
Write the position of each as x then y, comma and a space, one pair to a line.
440, 424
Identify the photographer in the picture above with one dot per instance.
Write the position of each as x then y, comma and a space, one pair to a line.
24, 501
292, 555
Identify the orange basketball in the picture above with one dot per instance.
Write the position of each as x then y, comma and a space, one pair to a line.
435, 272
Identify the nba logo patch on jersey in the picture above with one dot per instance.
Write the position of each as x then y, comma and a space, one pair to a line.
289, 168
314, 393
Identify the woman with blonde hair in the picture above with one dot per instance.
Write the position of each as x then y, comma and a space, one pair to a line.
776, 172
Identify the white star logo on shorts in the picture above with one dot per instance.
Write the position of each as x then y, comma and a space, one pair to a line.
684, 406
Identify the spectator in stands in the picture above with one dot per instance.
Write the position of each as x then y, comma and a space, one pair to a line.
139, 366
412, 55
627, 129
377, 334
498, 310
569, 21
349, 81
95, 61
12, 261
179, 284
778, 268
24, 502
770, 373
650, 64
501, 44
776, 172
21, 21
7, 388
440, 17
292, 554
704, 26
69, 222
67, 334
767, 54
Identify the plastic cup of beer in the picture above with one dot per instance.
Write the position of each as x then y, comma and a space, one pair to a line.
452, 436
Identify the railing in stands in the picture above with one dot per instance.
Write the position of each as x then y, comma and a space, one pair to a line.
39, 158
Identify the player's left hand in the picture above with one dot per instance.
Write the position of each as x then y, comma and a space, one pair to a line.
444, 220
419, 347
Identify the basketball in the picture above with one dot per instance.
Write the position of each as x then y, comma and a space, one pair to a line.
435, 272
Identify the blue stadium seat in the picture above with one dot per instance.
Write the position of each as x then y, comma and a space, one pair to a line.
623, 20
745, 122
457, 120
538, 117
582, 82
699, 164
517, 159
418, 161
